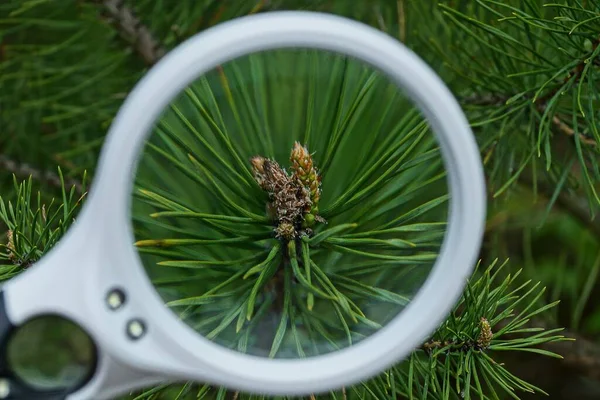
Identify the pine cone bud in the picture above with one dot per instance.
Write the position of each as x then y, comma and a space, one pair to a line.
485, 334
275, 177
11, 245
305, 171
292, 198
285, 231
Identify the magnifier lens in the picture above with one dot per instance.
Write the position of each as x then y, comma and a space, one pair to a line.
51, 353
290, 203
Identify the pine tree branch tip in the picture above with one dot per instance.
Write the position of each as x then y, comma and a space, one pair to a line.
294, 197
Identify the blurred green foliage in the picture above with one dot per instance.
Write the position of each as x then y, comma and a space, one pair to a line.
526, 73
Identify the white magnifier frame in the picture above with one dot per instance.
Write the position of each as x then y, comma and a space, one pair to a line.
97, 254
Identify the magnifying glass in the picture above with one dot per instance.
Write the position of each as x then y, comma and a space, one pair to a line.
286, 204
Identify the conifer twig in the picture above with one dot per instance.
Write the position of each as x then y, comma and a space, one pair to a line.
485, 99
24, 170
133, 31
481, 343
575, 74
491, 99
579, 354
567, 130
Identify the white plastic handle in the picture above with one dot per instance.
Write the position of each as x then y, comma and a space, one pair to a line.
97, 254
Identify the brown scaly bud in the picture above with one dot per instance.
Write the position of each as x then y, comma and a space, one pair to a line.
304, 169
289, 199
485, 334
304, 196
11, 245
258, 168
289, 204
293, 198
275, 177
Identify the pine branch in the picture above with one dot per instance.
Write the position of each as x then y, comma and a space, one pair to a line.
581, 354
24, 170
575, 206
485, 99
489, 321
567, 130
133, 31
575, 72
492, 99
33, 227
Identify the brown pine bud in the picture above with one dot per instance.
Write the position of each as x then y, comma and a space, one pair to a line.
276, 178
292, 198
485, 334
258, 168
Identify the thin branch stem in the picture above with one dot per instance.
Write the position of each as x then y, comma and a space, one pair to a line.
25, 170
401, 21
567, 130
133, 31
485, 99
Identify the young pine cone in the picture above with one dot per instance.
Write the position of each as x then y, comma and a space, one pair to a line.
10, 246
485, 334
304, 169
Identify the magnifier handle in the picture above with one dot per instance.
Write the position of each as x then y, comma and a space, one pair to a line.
113, 364
10, 386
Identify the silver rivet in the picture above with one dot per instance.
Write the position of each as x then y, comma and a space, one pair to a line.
136, 329
4, 388
115, 299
